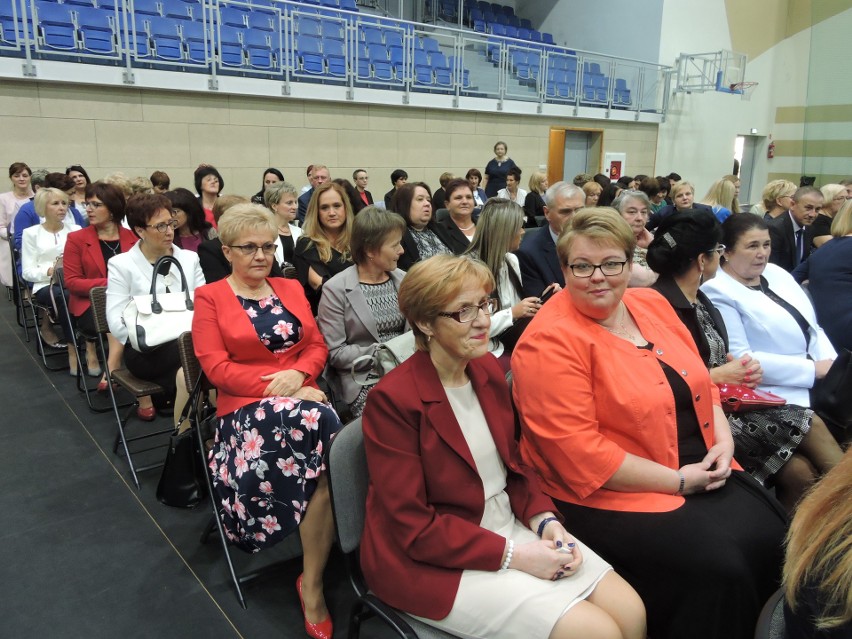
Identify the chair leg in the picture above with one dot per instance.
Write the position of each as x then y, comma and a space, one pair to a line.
120, 435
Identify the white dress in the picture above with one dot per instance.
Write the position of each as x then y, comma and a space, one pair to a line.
507, 604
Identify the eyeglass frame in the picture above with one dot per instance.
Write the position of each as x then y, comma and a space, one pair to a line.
488, 306
270, 248
94, 205
720, 248
163, 226
597, 266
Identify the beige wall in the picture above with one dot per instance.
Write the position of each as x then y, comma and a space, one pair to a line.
138, 131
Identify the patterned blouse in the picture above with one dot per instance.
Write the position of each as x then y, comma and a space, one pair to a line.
428, 244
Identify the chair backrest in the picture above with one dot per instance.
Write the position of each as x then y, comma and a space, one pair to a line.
770, 624
97, 296
188, 361
441, 215
348, 481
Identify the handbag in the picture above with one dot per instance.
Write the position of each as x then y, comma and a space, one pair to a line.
55, 281
157, 318
385, 357
737, 398
831, 396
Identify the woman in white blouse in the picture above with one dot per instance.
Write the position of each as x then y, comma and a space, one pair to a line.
498, 234
42, 245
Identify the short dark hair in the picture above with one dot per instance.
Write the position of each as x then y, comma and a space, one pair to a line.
454, 185
680, 239
665, 184
59, 181
371, 229
17, 167
602, 179
401, 202
78, 169
398, 175
674, 177
650, 186
356, 172
515, 172
111, 196
201, 173
142, 207
184, 199
473, 173
738, 224
161, 179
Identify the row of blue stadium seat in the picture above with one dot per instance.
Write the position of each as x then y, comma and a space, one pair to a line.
522, 33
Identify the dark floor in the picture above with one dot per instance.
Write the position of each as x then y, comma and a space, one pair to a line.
85, 554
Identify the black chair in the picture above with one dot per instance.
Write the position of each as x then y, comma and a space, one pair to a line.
133, 385
20, 292
47, 352
348, 481
530, 233
202, 420
770, 624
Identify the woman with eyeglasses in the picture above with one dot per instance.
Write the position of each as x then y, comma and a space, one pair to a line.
258, 344
151, 219
81, 181
772, 444
635, 208
777, 198
87, 253
624, 425
834, 197
457, 530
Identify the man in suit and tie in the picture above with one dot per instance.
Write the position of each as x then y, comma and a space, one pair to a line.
537, 257
790, 244
319, 175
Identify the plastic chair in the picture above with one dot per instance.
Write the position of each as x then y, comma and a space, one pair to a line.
166, 39
124, 379
97, 31
382, 69
45, 351
335, 57
259, 50
332, 30
363, 62
177, 10
430, 45
146, 7
233, 17
20, 291
56, 26
373, 35
309, 53
547, 38
349, 479
195, 41
231, 51
422, 69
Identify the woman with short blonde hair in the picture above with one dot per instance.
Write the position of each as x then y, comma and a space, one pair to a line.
534, 202
777, 197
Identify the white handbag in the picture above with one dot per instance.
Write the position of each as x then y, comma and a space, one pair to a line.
157, 318
386, 356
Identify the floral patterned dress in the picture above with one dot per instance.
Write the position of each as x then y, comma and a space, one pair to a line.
268, 455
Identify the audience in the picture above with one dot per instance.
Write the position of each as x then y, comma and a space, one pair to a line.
270, 176
458, 226
192, 228
777, 198
397, 178
790, 243
424, 236
623, 424
10, 203
497, 169
359, 308
513, 191
635, 207
474, 178
150, 217
834, 197
439, 197
534, 202
258, 344
493, 563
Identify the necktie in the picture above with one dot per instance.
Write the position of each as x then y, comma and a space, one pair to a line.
800, 253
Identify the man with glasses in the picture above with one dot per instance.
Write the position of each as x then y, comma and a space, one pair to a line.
361, 180
537, 256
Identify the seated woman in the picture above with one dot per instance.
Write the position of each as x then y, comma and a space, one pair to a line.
818, 568
534, 202
474, 178
359, 307
834, 197
787, 446
471, 545
777, 198
829, 275
767, 314
621, 420
458, 226
87, 253
128, 274
78, 195
41, 246
192, 228
323, 249
282, 198
258, 344
720, 198
270, 176
498, 235
593, 191
424, 237
635, 207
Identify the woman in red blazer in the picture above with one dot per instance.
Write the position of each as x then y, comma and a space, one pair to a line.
259, 346
457, 530
87, 252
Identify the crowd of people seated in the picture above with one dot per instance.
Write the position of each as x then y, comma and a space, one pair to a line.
615, 323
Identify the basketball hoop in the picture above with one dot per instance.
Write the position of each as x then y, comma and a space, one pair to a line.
745, 89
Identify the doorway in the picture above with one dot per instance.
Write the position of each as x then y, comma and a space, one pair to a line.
746, 149
574, 151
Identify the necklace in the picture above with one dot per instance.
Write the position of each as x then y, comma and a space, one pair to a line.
112, 245
254, 293
622, 330
466, 228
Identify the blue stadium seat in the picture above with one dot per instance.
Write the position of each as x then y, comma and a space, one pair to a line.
81, 3
525, 23
263, 20
309, 53
441, 69
195, 44
465, 79
335, 57
480, 26
142, 46
258, 46
166, 39
382, 68
308, 26
372, 35
621, 94
330, 3
177, 10
97, 30
231, 51
511, 32
422, 69
524, 34
56, 26
332, 30
535, 35
146, 8
397, 58
348, 5
430, 45
498, 29
233, 17
393, 38
108, 4
513, 21
547, 38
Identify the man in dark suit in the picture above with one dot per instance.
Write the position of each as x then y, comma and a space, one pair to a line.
319, 175
788, 231
398, 178
361, 180
537, 258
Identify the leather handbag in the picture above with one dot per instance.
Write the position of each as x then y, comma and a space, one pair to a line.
831, 397
737, 398
157, 318
386, 356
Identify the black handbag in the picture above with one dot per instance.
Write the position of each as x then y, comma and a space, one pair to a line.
831, 396
182, 482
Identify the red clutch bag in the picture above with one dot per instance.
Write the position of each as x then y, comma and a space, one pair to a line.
737, 398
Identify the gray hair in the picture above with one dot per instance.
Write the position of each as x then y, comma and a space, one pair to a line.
274, 192
621, 201
562, 189
37, 177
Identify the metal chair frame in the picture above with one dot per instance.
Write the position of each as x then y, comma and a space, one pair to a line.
19, 292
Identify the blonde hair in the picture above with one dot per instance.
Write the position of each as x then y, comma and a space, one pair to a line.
721, 193
842, 223
225, 202
120, 180
819, 547
314, 230
677, 187
44, 194
496, 230
432, 284
274, 193
140, 184
831, 191
537, 179
246, 217
589, 187
602, 225
734, 179
775, 189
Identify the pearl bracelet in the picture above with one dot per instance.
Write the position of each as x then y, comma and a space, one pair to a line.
508, 558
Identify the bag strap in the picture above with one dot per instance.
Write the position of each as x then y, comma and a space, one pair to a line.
368, 377
156, 307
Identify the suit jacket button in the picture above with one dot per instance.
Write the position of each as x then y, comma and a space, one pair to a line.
684, 373
706, 424
659, 351
698, 398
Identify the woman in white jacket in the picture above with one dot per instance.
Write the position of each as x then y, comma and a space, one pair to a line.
41, 246
498, 233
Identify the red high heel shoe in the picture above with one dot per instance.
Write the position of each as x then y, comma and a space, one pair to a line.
321, 630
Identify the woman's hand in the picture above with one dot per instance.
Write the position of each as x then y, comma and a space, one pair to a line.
310, 394
719, 457
555, 532
822, 366
544, 560
744, 370
526, 308
283, 383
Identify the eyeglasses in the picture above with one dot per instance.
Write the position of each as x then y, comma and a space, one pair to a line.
93, 205
719, 249
162, 227
470, 313
582, 269
250, 250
